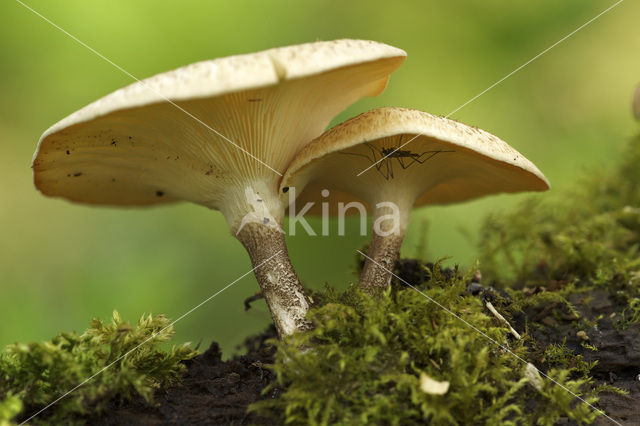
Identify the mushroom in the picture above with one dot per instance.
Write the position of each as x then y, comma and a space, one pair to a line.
218, 133
636, 103
411, 159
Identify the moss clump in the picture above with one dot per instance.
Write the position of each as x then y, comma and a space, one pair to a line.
567, 270
10, 407
36, 374
587, 237
365, 357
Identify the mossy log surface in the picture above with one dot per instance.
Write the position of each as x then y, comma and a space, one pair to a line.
563, 270
219, 392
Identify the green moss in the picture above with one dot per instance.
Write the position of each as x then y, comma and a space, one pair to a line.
588, 235
363, 362
35, 374
550, 256
10, 407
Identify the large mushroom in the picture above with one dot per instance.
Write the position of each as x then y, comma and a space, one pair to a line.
446, 162
217, 133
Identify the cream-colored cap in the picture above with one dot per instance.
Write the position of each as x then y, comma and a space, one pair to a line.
447, 162
134, 147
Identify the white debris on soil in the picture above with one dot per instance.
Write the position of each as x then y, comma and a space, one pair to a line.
532, 374
432, 386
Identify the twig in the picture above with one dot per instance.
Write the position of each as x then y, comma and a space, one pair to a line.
501, 318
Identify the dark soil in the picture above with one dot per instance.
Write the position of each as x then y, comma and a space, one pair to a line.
618, 350
618, 354
212, 391
218, 392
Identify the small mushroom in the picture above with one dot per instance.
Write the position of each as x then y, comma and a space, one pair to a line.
448, 162
218, 133
636, 103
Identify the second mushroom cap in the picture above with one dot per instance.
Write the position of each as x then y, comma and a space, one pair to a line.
394, 159
393, 151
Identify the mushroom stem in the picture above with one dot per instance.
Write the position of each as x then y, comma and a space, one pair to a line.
273, 270
389, 227
385, 251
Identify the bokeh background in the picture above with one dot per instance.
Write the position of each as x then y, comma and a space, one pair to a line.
63, 264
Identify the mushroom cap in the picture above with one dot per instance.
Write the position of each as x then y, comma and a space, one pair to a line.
636, 103
447, 162
151, 142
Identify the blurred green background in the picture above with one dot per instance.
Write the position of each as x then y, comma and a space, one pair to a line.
62, 264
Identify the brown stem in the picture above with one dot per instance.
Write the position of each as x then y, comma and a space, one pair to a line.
384, 251
278, 281
390, 221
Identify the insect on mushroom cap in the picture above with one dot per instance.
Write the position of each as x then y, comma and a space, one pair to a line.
397, 152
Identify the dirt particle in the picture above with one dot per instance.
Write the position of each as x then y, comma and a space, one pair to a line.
68, 152
548, 321
285, 189
77, 174
113, 142
159, 193
581, 334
